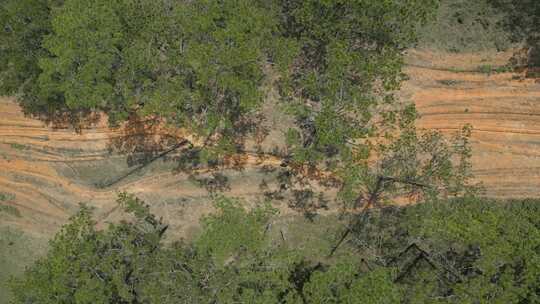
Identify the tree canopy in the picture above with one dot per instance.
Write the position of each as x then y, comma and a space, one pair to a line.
464, 251
201, 65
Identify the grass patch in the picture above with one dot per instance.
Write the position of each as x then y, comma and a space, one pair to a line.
465, 26
6, 196
533, 73
449, 82
10, 210
311, 238
17, 146
489, 69
17, 250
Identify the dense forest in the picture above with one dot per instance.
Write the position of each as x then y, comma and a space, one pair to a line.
463, 251
205, 67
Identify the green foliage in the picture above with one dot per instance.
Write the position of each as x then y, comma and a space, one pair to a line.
18, 146
342, 284
522, 18
348, 58
503, 238
23, 25
233, 230
461, 251
489, 69
200, 64
83, 47
11, 210
50, 280
420, 166
5, 196
197, 64
340, 88
88, 266
521, 21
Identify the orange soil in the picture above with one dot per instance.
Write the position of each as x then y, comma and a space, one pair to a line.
42, 166
34, 159
503, 109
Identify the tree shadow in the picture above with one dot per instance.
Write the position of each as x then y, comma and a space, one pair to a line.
61, 117
144, 139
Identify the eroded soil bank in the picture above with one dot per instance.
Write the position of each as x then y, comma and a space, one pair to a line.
46, 173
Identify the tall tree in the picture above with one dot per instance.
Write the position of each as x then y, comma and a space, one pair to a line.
200, 65
23, 27
427, 253
347, 64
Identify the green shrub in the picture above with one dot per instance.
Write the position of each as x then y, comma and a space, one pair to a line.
489, 69
18, 146
427, 253
11, 210
232, 229
6, 196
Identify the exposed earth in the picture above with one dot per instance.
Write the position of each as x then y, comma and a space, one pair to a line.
45, 172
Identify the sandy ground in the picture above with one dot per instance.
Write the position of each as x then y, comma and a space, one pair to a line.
50, 171
503, 109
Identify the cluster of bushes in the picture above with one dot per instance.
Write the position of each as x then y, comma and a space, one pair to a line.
521, 21
462, 251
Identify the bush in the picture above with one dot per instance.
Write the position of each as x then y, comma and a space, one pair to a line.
428, 253
11, 210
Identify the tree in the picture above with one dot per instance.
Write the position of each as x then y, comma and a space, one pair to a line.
522, 18
491, 245
84, 265
340, 87
84, 48
129, 263
460, 251
24, 24
200, 65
